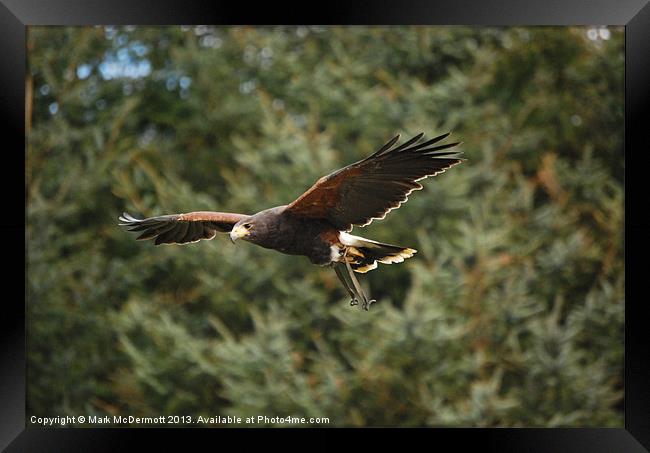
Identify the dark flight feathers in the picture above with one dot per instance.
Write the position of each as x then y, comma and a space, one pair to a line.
182, 228
354, 195
370, 188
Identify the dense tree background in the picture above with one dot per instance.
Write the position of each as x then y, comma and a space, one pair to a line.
511, 314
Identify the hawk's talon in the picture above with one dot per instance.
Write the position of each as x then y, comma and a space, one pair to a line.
354, 302
366, 305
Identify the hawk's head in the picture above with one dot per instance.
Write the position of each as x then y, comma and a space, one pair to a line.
242, 230
257, 228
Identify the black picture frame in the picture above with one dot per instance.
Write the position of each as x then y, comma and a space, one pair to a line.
16, 15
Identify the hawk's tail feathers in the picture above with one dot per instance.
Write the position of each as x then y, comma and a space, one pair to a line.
364, 254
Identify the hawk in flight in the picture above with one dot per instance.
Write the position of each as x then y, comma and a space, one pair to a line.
318, 223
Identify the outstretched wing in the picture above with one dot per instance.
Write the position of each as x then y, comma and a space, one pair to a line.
370, 188
182, 228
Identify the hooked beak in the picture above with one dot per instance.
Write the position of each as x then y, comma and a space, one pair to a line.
238, 232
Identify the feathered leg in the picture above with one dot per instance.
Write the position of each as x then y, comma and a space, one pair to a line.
365, 302
339, 273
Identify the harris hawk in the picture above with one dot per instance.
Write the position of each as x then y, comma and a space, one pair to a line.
318, 223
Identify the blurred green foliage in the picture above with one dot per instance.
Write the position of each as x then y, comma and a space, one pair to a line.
511, 314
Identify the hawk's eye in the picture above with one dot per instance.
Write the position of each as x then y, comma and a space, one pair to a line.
247, 226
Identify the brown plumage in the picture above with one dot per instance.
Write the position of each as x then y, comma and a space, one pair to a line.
317, 224
182, 228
